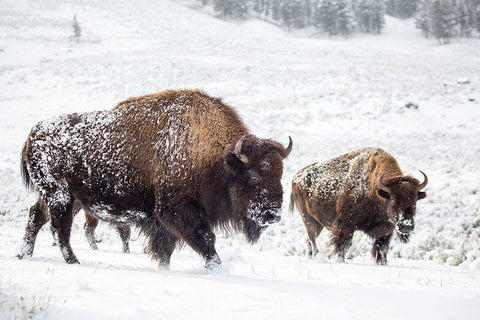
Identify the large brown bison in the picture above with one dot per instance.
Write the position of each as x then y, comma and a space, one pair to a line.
176, 164
361, 190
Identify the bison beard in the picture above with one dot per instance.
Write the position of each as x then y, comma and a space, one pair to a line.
176, 164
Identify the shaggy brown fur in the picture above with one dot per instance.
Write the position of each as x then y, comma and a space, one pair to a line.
344, 194
169, 163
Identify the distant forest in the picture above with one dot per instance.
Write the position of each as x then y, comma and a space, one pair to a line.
442, 19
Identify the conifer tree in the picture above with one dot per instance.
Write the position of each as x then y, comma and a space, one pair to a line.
378, 16
345, 18
77, 30
422, 18
439, 20
324, 17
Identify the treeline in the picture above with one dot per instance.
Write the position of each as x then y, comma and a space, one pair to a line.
441, 18
445, 19
333, 17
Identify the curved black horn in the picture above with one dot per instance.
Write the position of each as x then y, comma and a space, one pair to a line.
425, 181
289, 148
238, 150
381, 185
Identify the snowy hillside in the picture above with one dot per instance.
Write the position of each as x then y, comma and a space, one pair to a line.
331, 95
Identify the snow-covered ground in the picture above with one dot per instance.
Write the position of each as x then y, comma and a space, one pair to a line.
331, 95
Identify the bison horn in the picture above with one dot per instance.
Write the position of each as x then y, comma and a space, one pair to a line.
238, 150
289, 148
381, 185
425, 181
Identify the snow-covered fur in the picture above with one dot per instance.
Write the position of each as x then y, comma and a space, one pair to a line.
176, 164
361, 190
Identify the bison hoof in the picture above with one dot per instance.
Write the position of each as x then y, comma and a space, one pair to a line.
20, 256
381, 262
73, 260
164, 266
213, 263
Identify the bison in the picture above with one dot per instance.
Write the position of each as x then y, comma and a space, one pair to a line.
89, 227
362, 190
176, 164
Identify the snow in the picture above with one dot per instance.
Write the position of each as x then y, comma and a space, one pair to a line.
331, 95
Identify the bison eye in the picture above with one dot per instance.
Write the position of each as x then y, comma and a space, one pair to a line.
253, 180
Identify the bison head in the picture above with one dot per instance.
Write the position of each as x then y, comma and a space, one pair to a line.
401, 194
255, 189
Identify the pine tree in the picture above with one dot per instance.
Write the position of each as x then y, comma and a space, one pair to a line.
440, 20
345, 18
259, 7
231, 8
276, 6
477, 20
324, 17
401, 8
363, 15
461, 19
422, 17
77, 30
293, 13
378, 16
370, 15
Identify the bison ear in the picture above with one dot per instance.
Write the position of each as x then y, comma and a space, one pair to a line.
233, 163
383, 194
421, 195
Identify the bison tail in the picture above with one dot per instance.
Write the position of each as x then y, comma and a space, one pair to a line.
24, 170
291, 206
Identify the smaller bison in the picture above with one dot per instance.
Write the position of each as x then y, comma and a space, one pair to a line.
361, 190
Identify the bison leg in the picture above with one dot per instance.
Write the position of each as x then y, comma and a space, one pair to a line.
313, 230
380, 249
124, 233
37, 217
161, 244
62, 218
341, 239
187, 222
75, 209
90, 225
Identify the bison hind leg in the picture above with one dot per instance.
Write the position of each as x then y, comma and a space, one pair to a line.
91, 223
124, 233
37, 217
60, 205
313, 229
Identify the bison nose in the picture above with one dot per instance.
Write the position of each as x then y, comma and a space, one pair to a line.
270, 217
405, 228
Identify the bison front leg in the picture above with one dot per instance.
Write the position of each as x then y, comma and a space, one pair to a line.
37, 217
380, 249
341, 239
187, 222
